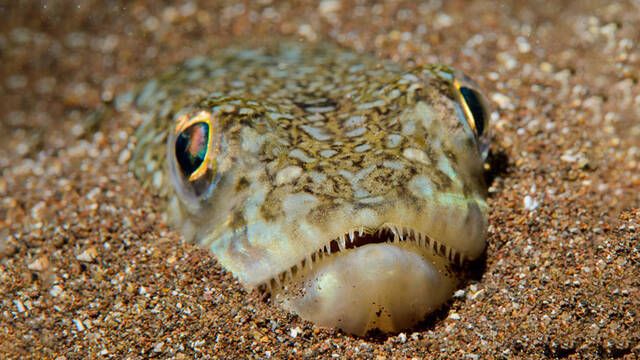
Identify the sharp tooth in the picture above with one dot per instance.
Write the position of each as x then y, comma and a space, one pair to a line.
352, 236
327, 248
342, 244
395, 234
342, 239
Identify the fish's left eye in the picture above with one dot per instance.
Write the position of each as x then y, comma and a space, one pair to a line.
473, 105
474, 109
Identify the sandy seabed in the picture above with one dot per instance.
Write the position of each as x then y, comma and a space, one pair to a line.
89, 268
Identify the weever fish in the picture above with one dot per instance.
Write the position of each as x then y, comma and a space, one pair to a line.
347, 187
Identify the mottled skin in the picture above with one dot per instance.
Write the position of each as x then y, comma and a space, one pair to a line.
310, 144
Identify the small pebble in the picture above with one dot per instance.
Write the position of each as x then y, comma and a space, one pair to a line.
295, 331
88, 255
40, 264
55, 291
402, 337
79, 325
19, 306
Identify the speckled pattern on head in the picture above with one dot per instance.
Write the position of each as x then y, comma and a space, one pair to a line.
321, 163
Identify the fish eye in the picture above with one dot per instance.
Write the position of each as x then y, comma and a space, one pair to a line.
192, 149
473, 106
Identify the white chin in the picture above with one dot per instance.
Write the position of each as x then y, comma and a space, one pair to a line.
386, 286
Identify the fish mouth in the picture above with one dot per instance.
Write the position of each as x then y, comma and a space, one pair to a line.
388, 278
362, 236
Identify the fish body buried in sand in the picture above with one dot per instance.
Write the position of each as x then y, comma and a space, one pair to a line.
349, 188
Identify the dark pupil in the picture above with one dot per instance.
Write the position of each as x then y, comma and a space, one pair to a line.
474, 104
191, 147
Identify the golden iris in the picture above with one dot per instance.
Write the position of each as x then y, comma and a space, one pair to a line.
472, 106
193, 144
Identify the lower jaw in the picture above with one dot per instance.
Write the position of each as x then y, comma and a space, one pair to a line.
383, 286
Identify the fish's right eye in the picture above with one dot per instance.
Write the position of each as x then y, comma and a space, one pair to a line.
193, 148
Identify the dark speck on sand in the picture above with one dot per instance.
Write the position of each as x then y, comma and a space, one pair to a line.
89, 268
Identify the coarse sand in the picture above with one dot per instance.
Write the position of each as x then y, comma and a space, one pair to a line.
89, 268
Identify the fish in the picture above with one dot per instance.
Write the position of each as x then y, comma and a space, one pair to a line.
348, 188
